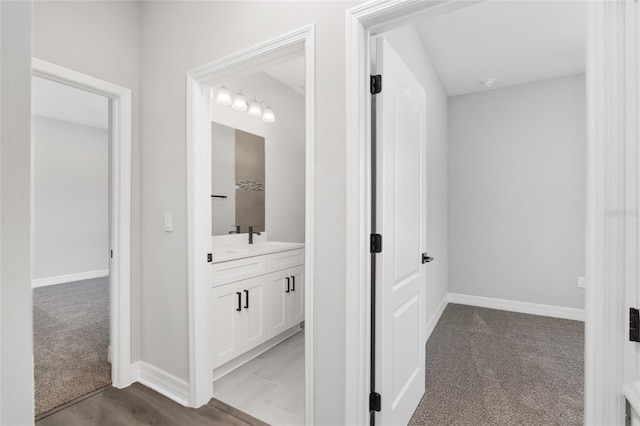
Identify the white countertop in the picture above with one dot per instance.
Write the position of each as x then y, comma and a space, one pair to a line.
244, 250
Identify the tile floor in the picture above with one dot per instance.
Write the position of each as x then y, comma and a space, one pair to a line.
271, 386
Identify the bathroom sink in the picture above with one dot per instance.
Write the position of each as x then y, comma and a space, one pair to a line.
236, 251
244, 248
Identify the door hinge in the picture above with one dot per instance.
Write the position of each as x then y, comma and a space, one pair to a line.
376, 243
634, 325
111, 254
375, 84
209, 257
375, 401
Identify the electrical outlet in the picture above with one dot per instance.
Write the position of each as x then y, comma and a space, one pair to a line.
581, 282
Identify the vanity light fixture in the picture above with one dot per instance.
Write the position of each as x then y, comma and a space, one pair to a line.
268, 116
223, 96
255, 110
239, 102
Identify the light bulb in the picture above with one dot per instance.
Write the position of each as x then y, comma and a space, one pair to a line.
223, 97
268, 116
239, 102
254, 108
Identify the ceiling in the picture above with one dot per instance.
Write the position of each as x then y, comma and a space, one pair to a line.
290, 73
66, 103
513, 42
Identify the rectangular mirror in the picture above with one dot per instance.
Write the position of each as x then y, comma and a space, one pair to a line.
237, 181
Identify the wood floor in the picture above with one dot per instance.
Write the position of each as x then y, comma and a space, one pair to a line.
139, 405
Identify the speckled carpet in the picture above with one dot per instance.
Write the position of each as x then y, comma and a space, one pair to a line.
71, 338
490, 367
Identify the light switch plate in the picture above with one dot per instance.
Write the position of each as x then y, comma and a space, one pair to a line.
168, 222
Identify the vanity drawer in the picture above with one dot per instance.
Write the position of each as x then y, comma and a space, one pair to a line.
240, 269
285, 259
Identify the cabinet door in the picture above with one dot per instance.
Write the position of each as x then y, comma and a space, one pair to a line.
228, 335
254, 302
278, 301
296, 297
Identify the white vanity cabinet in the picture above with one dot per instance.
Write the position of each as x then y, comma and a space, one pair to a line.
238, 317
286, 299
254, 299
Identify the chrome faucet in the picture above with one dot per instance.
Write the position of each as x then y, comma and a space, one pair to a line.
251, 232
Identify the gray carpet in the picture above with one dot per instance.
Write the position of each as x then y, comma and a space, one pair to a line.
490, 367
71, 338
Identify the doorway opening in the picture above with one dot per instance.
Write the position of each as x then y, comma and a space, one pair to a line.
496, 148
71, 243
250, 218
81, 238
366, 22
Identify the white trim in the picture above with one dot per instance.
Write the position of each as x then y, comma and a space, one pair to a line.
135, 371
160, 381
363, 21
610, 236
516, 306
632, 394
227, 368
60, 279
431, 325
199, 208
120, 268
606, 237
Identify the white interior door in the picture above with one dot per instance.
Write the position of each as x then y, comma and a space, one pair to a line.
401, 220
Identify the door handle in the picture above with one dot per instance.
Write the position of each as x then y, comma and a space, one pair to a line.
293, 280
425, 258
239, 308
288, 285
246, 295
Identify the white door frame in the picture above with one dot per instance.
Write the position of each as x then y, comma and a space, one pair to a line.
120, 226
609, 227
199, 82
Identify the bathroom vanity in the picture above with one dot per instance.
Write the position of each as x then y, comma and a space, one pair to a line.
257, 296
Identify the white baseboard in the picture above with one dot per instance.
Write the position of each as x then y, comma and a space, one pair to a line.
228, 367
436, 316
135, 371
514, 306
160, 381
60, 279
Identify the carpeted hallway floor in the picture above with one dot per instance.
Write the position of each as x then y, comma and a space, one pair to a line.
71, 338
490, 367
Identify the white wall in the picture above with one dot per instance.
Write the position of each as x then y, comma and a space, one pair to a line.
517, 168
71, 198
101, 39
16, 330
177, 37
408, 45
284, 150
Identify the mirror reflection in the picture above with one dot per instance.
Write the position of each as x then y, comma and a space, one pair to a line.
237, 180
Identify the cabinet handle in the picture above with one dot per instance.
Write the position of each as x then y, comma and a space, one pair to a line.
246, 295
288, 285
239, 308
293, 279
